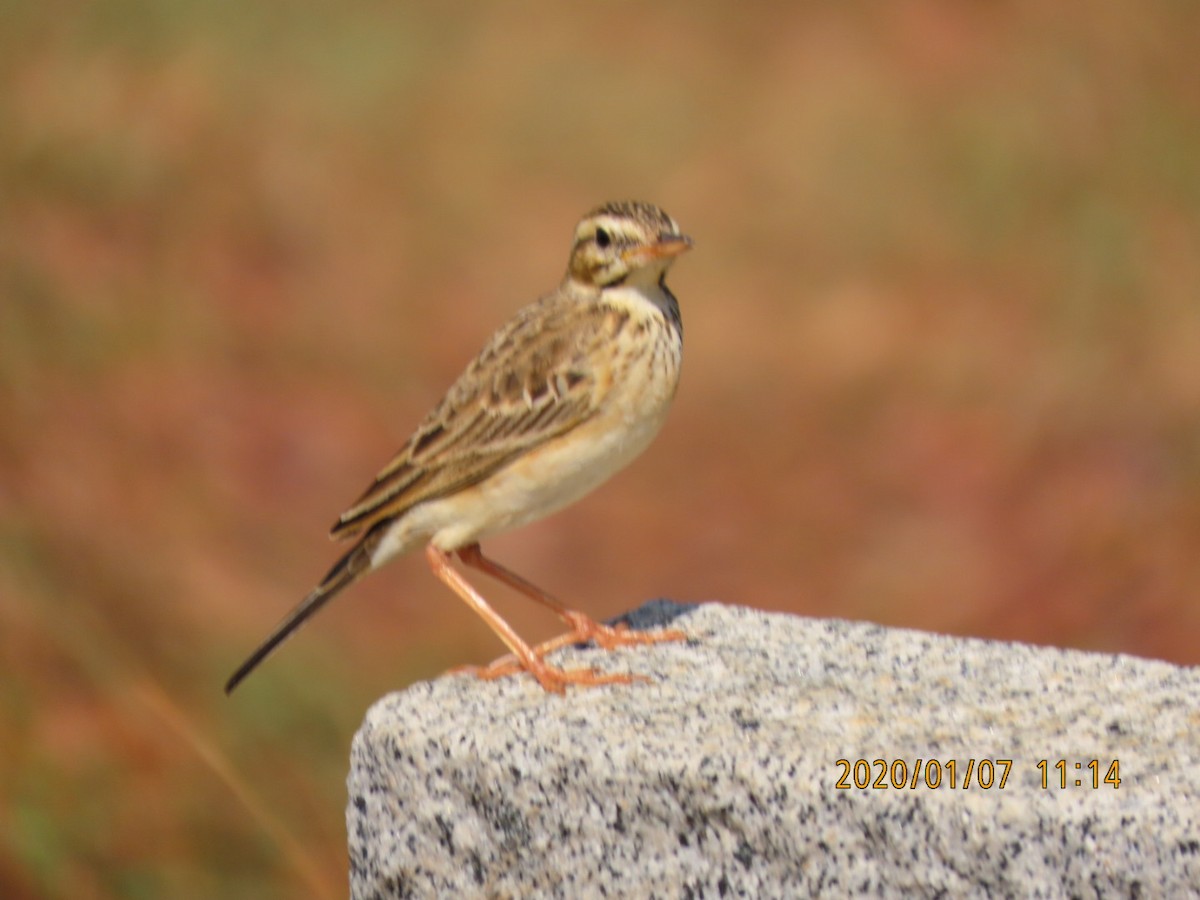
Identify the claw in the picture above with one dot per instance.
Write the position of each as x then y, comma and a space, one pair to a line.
607, 637
551, 678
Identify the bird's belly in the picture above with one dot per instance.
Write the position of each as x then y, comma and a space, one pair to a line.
544, 480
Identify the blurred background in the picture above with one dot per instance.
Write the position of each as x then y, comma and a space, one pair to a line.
942, 362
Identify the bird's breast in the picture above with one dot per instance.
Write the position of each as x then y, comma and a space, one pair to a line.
564, 469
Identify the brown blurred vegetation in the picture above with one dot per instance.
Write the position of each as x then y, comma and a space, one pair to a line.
942, 365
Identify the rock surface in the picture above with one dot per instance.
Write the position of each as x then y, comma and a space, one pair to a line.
726, 774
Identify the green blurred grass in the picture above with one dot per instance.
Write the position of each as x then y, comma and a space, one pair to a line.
943, 364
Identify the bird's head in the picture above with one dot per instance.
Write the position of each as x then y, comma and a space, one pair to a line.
625, 243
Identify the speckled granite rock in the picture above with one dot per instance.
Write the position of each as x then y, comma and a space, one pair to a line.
720, 778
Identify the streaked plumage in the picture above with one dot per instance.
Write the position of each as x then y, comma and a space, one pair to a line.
561, 398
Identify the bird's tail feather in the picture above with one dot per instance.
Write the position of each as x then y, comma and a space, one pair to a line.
345, 572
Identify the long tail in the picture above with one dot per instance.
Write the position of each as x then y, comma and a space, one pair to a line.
345, 572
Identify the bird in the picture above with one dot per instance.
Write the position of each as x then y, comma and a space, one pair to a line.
561, 397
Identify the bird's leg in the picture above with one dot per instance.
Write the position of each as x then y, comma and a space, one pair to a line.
583, 627
548, 676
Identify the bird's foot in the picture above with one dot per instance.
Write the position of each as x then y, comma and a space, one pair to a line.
584, 629
551, 678
607, 637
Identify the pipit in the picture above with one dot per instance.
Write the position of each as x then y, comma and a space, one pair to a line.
561, 398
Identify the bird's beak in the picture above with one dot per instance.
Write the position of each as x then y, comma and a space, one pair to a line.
668, 247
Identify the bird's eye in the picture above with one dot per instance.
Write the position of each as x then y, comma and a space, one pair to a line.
603, 238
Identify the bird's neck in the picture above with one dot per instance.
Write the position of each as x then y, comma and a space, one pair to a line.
643, 299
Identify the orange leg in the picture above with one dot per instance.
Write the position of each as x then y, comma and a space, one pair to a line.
583, 627
549, 677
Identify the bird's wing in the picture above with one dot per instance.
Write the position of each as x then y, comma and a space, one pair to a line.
538, 377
